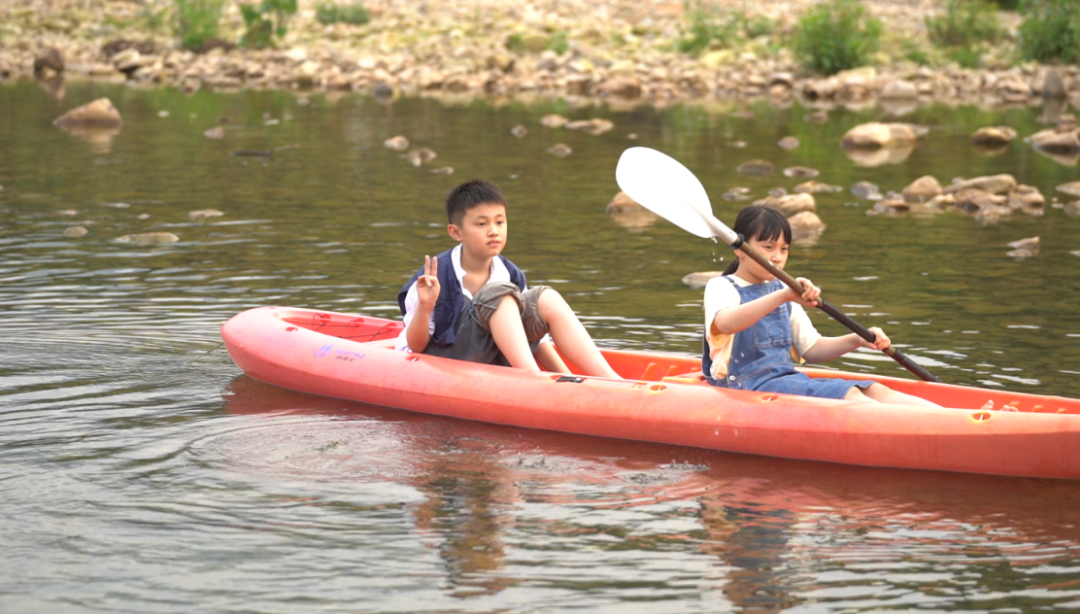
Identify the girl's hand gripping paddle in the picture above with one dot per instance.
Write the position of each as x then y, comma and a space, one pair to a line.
662, 185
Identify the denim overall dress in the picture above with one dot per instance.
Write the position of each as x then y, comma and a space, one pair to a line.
761, 355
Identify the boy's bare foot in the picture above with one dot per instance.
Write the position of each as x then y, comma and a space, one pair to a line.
988, 406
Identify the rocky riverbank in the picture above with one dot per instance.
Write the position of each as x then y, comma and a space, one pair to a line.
621, 51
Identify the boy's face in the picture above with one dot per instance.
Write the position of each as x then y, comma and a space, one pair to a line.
482, 232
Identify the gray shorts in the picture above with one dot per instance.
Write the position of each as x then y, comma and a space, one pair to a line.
474, 341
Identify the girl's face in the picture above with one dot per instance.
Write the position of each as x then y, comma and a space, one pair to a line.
774, 250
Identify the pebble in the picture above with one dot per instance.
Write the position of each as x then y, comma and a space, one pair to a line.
397, 143
76, 231
813, 187
867, 190
553, 121
443, 170
203, 214
801, 172
560, 150
149, 238
700, 278
519, 131
788, 142
217, 132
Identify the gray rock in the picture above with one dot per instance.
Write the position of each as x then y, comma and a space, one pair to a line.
519, 131
756, 168
867, 190
76, 231
1054, 86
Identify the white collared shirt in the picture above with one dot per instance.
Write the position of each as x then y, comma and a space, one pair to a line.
498, 273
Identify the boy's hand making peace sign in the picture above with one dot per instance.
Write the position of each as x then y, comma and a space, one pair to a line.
427, 285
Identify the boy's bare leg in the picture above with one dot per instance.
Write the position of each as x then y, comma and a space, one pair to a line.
884, 394
571, 337
509, 334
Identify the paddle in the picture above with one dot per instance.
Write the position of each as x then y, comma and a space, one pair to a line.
662, 185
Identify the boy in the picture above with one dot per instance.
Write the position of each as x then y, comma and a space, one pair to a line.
471, 303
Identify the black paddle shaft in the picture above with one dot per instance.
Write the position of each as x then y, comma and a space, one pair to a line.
836, 314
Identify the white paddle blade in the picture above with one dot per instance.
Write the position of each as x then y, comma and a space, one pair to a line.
664, 186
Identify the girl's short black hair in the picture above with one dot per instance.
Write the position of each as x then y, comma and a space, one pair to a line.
761, 223
467, 195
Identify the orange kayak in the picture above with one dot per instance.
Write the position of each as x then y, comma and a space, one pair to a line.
664, 399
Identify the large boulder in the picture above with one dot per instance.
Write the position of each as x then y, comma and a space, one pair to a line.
99, 113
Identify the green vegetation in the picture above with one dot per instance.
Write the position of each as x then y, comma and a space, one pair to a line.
707, 28
559, 42
265, 22
1051, 30
965, 30
331, 12
710, 28
836, 36
197, 21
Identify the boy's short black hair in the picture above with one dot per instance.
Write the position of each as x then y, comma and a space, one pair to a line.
467, 195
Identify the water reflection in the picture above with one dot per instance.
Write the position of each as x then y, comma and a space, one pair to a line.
780, 534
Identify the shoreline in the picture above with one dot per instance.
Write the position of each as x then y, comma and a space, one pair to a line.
618, 52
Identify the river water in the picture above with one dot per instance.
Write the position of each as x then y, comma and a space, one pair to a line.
141, 472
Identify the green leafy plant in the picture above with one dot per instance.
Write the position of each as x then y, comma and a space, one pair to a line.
911, 51
265, 22
559, 42
836, 36
1050, 31
515, 42
965, 30
197, 21
331, 12
759, 25
707, 28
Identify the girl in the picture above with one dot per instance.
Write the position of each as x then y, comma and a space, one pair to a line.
754, 324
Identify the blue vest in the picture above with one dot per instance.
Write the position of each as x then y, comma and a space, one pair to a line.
451, 299
759, 353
